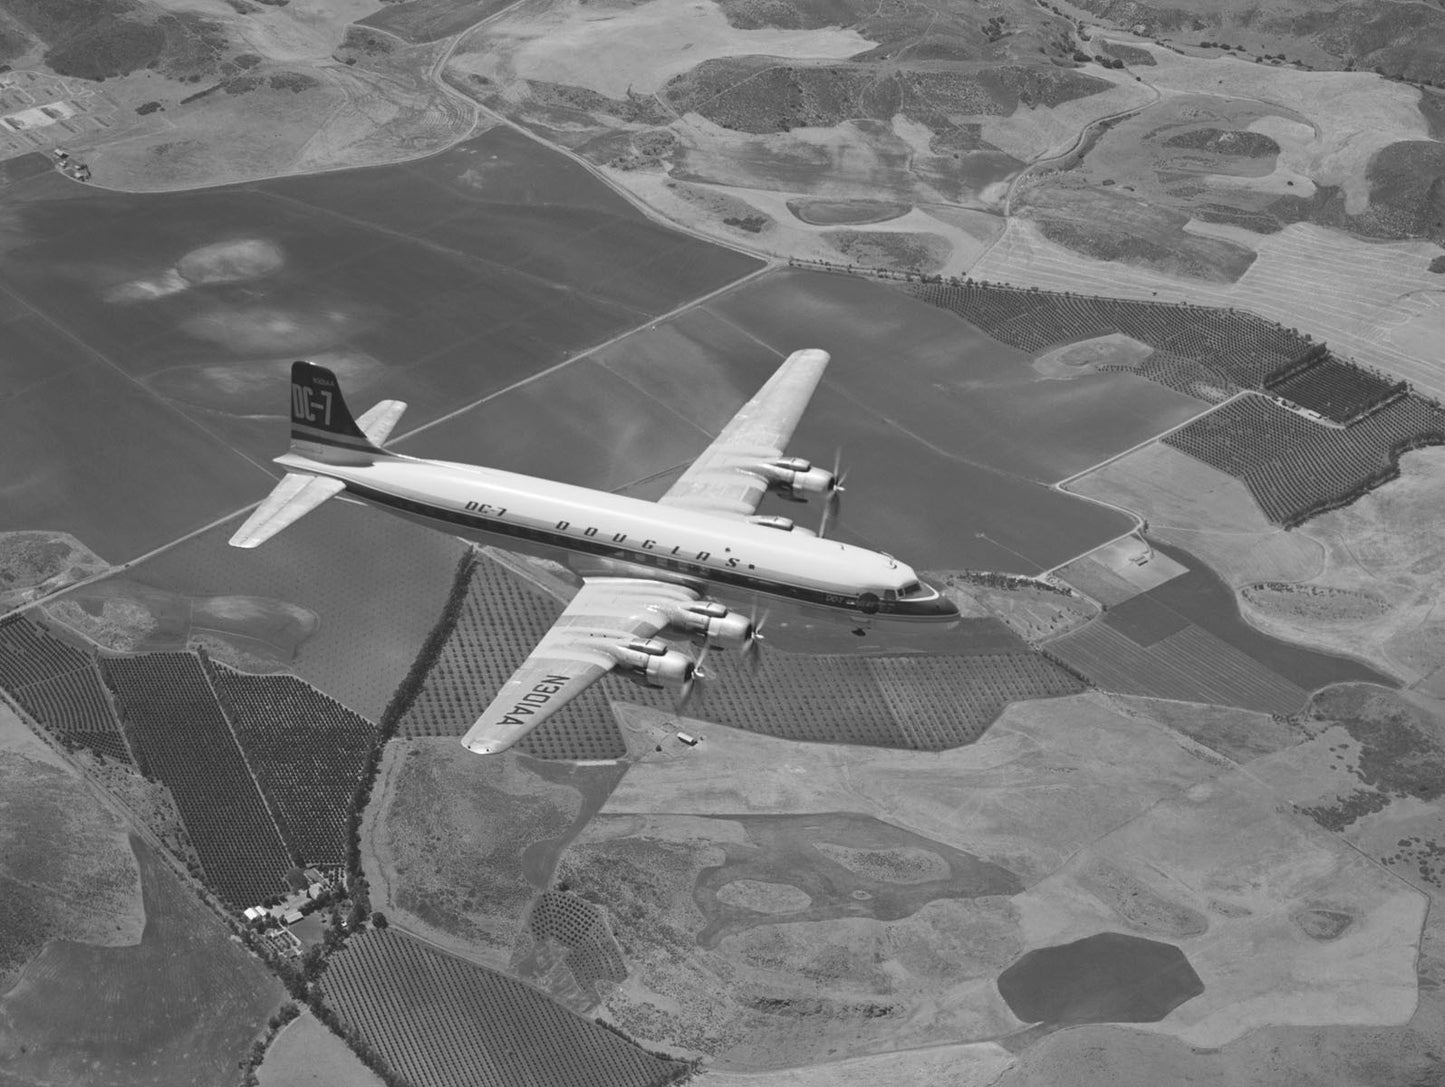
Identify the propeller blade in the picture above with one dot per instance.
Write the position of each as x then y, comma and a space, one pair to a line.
832, 505
695, 684
753, 651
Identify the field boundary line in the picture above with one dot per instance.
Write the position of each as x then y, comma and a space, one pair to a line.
204, 663
585, 352
1063, 483
118, 568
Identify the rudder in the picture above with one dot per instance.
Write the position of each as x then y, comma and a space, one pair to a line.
321, 424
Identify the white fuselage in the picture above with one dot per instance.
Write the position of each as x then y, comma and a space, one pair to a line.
607, 533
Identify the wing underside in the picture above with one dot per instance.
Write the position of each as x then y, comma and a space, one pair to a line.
720, 480
586, 642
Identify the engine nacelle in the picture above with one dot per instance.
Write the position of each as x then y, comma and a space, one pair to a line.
794, 479
651, 663
712, 622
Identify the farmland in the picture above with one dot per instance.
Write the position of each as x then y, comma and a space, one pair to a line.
58, 686
308, 752
930, 406
1340, 392
1224, 348
180, 1007
341, 565
513, 247
1296, 469
918, 702
180, 736
502, 619
1188, 666
1184, 639
441, 1021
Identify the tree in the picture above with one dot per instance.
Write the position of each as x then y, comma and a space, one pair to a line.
379, 920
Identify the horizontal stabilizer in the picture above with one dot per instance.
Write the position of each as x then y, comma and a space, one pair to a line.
295, 496
378, 422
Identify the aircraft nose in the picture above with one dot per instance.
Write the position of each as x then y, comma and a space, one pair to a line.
944, 606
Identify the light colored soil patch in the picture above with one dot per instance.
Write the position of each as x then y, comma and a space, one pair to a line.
1138, 563
1046, 778
976, 1065
1237, 734
704, 207
1385, 557
1209, 513
445, 842
1138, 905
1343, 291
926, 253
781, 992
35, 564
1225, 851
1033, 614
1085, 357
760, 897
613, 47
1313, 603
66, 867
1354, 114
306, 1054
901, 865
252, 632
1372, 566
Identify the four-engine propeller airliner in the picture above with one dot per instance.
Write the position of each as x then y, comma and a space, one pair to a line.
646, 567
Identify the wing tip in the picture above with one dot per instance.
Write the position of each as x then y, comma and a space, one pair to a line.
811, 354
484, 746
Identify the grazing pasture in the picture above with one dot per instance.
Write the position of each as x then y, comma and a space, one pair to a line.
443, 1022
179, 1008
181, 737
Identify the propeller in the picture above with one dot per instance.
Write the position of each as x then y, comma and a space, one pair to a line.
753, 651
833, 503
694, 685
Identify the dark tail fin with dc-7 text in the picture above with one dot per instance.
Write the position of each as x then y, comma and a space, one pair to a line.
321, 425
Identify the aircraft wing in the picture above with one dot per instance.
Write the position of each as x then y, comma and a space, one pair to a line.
295, 496
588, 640
720, 481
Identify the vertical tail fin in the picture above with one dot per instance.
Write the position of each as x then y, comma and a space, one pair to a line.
321, 425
